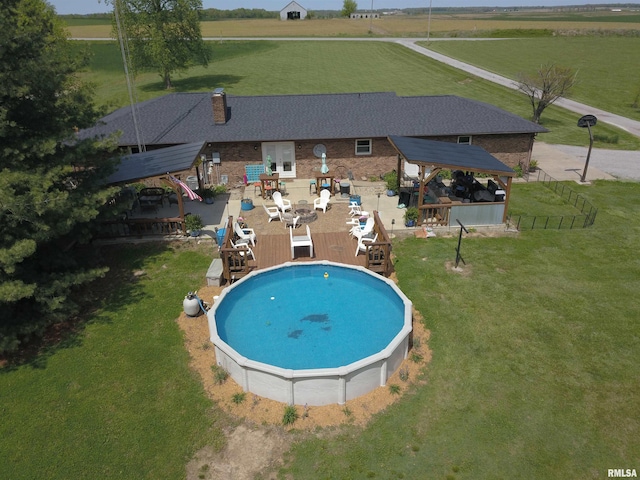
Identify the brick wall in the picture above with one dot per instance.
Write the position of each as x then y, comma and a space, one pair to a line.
341, 158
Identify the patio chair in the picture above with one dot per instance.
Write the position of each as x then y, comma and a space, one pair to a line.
300, 241
273, 212
355, 209
245, 233
323, 201
290, 220
363, 241
360, 232
282, 203
242, 247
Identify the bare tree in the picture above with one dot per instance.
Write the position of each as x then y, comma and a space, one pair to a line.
545, 86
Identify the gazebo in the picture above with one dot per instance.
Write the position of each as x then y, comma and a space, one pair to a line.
433, 156
162, 164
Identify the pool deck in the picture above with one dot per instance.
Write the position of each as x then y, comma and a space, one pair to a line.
272, 250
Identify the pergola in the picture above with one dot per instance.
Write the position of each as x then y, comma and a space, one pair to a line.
160, 163
432, 156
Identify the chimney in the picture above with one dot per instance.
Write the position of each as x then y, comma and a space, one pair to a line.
219, 103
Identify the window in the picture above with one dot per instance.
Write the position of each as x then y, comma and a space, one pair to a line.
363, 147
464, 140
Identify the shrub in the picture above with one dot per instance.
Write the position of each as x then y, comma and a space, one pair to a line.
220, 375
238, 398
394, 389
416, 357
290, 415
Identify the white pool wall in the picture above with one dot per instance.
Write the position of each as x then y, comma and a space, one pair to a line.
321, 386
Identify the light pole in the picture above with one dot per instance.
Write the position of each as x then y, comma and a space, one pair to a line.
371, 18
587, 121
429, 22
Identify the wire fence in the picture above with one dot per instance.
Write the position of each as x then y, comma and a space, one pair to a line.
584, 219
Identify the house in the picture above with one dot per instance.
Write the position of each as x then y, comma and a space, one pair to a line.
352, 129
293, 11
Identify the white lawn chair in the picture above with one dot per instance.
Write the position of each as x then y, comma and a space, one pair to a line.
241, 246
322, 201
245, 233
355, 210
363, 241
360, 232
300, 241
273, 212
282, 203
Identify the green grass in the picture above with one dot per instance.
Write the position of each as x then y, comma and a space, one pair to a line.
535, 367
265, 68
533, 373
607, 79
117, 400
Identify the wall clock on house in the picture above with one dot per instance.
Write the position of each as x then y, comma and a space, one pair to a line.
319, 149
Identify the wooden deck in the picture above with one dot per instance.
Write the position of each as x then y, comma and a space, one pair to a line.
271, 250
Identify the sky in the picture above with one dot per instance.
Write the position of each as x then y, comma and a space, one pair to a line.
98, 6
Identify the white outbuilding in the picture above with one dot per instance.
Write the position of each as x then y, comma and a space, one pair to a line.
293, 11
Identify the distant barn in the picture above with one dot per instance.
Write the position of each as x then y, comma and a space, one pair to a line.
293, 11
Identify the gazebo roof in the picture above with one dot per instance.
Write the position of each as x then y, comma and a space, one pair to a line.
156, 162
449, 155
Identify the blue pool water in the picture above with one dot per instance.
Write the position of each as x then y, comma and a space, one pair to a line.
295, 318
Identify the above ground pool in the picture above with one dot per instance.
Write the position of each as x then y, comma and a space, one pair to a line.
311, 333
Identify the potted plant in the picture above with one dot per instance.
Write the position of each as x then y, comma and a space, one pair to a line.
194, 224
391, 179
411, 216
207, 194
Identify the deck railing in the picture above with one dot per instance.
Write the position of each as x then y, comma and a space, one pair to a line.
138, 227
235, 260
378, 254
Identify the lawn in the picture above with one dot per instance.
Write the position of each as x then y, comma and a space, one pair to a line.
117, 399
266, 68
606, 78
535, 366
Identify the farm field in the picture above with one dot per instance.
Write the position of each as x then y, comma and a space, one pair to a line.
443, 25
607, 79
265, 68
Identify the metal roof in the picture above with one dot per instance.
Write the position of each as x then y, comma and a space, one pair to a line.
188, 117
156, 162
449, 155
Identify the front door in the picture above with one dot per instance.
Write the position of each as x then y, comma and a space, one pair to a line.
283, 159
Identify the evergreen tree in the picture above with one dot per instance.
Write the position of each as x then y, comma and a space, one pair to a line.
164, 35
50, 184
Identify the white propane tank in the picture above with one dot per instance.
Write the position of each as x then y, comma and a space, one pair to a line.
191, 304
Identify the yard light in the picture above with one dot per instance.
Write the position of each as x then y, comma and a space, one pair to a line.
393, 222
378, 206
587, 121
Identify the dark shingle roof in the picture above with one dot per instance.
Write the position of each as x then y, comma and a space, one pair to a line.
449, 155
188, 117
156, 162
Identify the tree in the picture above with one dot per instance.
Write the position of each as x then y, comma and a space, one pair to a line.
50, 183
543, 88
349, 7
165, 34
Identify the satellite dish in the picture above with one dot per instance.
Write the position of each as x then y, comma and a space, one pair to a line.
587, 121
